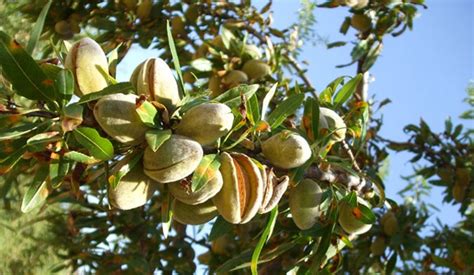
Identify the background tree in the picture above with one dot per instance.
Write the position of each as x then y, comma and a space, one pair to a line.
214, 41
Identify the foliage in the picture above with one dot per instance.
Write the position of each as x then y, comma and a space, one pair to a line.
68, 160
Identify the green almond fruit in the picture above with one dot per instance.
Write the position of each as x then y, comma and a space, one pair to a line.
330, 120
155, 79
349, 221
304, 201
286, 150
183, 193
133, 190
378, 246
252, 51
193, 214
206, 123
242, 191
256, 69
83, 59
389, 223
361, 22
234, 78
176, 159
117, 116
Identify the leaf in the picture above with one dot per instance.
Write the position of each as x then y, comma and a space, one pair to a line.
267, 232
367, 216
253, 112
147, 112
206, 170
22, 71
12, 133
58, 170
323, 246
310, 119
284, 109
37, 192
6, 164
64, 82
99, 147
243, 259
232, 97
43, 138
80, 157
219, 228
125, 169
72, 117
391, 263
202, 65
267, 99
156, 138
326, 95
119, 88
336, 44
166, 213
346, 91
351, 199
37, 29
174, 54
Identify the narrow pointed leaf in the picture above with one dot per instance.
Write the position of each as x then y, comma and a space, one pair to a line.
156, 138
174, 54
119, 88
22, 71
37, 192
267, 232
285, 109
37, 29
346, 91
232, 97
99, 147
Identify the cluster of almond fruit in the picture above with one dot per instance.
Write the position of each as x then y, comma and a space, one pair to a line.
240, 186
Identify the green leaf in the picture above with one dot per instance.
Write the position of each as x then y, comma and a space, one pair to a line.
284, 109
326, 95
12, 133
80, 157
253, 112
267, 232
22, 71
64, 82
367, 216
99, 147
43, 139
346, 91
206, 170
220, 227
156, 138
125, 169
323, 246
336, 44
147, 112
58, 170
119, 88
7, 163
310, 118
174, 54
37, 28
391, 263
351, 199
166, 213
202, 64
37, 192
267, 99
232, 97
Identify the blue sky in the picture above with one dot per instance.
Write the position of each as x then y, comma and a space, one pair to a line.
424, 72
